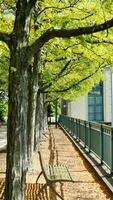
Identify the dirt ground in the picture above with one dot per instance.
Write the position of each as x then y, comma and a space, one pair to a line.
58, 149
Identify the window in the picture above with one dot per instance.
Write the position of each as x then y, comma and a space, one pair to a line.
95, 103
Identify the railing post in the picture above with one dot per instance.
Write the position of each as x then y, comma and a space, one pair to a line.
78, 130
66, 122
71, 126
85, 135
111, 150
69, 119
101, 145
74, 133
89, 142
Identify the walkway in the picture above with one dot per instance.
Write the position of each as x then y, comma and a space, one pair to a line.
3, 140
57, 148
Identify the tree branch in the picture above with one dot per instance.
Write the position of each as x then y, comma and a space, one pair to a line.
63, 33
99, 41
75, 84
80, 19
56, 60
5, 37
57, 8
56, 78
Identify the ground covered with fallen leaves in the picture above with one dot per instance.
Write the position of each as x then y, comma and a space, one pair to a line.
58, 149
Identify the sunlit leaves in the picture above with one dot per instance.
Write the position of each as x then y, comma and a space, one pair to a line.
85, 56
4, 67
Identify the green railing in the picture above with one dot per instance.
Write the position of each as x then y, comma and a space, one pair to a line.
96, 138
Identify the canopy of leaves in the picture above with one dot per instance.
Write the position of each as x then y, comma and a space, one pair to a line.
87, 55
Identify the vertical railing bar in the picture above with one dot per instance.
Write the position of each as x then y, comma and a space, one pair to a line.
72, 126
89, 137
101, 143
111, 170
76, 129
79, 130
85, 134
69, 123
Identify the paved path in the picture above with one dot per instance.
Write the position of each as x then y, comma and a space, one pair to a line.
57, 149
3, 140
88, 186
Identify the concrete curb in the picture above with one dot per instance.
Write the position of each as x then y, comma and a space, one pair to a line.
106, 178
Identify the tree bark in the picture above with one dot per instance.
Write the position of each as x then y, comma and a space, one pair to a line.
17, 126
41, 127
45, 114
37, 123
18, 103
33, 88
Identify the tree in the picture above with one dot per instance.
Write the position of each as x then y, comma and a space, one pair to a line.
23, 48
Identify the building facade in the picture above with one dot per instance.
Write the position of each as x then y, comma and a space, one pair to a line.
95, 106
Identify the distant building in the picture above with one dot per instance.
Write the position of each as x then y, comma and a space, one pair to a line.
95, 106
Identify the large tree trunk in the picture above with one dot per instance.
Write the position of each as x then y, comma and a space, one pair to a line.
17, 134
41, 127
37, 123
45, 114
18, 103
33, 88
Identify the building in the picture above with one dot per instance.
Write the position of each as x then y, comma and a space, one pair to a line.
95, 106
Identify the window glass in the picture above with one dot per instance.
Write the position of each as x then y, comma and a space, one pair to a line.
91, 109
95, 103
99, 100
91, 100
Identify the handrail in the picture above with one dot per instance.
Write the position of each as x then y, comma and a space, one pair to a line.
96, 138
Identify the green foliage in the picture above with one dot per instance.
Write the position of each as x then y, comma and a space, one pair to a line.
87, 59
85, 56
4, 68
84, 62
3, 106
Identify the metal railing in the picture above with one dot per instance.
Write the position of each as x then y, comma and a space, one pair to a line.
96, 138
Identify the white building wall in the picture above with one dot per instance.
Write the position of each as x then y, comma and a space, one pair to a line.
78, 108
107, 97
